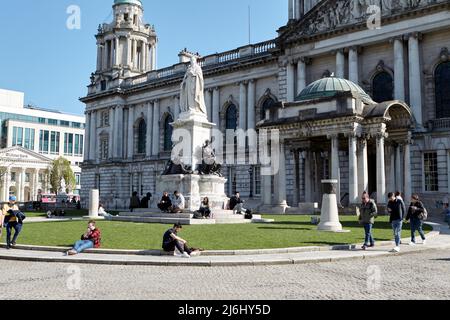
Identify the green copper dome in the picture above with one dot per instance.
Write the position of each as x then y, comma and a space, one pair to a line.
329, 87
136, 2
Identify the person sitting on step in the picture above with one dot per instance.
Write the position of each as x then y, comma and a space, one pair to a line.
205, 209
90, 239
237, 204
178, 203
165, 203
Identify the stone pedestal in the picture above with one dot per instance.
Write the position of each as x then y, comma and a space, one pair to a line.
190, 132
94, 202
329, 219
194, 188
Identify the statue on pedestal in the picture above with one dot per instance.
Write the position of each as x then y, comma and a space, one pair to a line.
192, 98
209, 164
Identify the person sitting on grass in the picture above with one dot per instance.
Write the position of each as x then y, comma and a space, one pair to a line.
172, 242
178, 203
165, 202
90, 239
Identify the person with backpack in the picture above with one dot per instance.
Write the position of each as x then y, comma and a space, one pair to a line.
417, 213
11, 218
396, 212
367, 213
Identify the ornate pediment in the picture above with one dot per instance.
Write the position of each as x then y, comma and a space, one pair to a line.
332, 15
19, 154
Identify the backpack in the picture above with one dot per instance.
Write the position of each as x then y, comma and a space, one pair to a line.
198, 215
423, 215
248, 215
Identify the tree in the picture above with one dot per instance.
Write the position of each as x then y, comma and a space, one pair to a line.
61, 170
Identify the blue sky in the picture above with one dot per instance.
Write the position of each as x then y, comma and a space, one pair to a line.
52, 64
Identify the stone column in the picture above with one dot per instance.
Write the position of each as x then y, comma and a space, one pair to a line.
353, 169
128, 50
291, 9
148, 147
156, 116
111, 53
116, 51
281, 178
392, 171
407, 153
399, 70
99, 57
299, 10
112, 129
251, 117
130, 135
415, 88
353, 65
216, 107
335, 162
93, 203
307, 176
105, 55
154, 57
267, 190
6, 184
144, 56
340, 64
363, 167
93, 154
21, 187
398, 168
177, 108
296, 177
242, 105
86, 136
329, 218
35, 183
208, 102
134, 56
301, 75
381, 173
290, 73
119, 136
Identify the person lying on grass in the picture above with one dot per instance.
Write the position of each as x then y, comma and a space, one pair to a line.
90, 239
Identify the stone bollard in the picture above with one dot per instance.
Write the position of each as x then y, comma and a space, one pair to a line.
94, 203
329, 219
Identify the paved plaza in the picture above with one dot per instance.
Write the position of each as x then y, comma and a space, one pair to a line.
421, 275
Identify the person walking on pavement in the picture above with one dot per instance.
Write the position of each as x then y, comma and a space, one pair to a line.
416, 215
367, 213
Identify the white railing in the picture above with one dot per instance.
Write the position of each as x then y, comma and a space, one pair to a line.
441, 123
264, 47
228, 56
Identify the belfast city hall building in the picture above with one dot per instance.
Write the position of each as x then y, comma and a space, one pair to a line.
358, 89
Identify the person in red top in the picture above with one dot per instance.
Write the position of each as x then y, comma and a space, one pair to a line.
90, 239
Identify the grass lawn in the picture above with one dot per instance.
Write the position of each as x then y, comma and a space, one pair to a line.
287, 231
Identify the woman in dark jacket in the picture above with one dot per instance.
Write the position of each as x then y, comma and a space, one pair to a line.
205, 210
415, 215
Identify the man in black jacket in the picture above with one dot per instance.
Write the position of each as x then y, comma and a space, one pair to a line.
237, 204
397, 213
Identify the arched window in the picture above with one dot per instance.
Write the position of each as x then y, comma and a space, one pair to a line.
142, 137
268, 105
383, 87
231, 117
442, 82
168, 129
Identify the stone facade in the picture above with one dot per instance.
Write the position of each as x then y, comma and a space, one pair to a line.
321, 37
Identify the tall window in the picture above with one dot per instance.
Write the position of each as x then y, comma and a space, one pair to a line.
104, 120
383, 87
142, 137
29, 139
257, 178
104, 148
168, 130
430, 169
442, 79
78, 145
231, 118
68, 144
54, 142
268, 105
44, 137
17, 136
